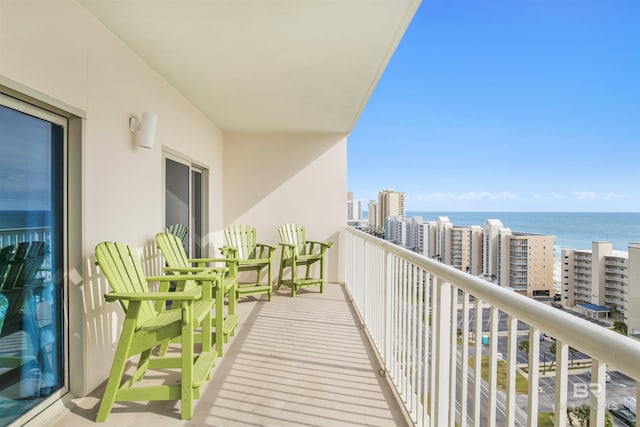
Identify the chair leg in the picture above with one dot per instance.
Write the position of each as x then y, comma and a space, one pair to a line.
280, 274
219, 321
119, 362
322, 274
186, 383
269, 279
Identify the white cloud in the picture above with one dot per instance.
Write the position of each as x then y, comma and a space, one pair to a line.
581, 195
468, 196
592, 195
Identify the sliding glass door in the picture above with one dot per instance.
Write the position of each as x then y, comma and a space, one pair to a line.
32, 212
185, 201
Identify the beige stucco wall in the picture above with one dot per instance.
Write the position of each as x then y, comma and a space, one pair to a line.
287, 178
58, 52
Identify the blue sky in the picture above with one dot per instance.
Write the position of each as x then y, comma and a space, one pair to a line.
518, 105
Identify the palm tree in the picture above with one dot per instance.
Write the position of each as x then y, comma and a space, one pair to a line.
583, 413
524, 346
553, 350
621, 327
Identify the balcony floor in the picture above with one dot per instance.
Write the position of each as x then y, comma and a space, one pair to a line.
294, 361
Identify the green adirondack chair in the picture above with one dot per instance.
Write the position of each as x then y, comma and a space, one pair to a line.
241, 243
20, 282
5, 256
179, 230
297, 252
145, 327
178, 263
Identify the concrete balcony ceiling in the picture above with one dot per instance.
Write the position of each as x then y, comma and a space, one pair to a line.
265, 66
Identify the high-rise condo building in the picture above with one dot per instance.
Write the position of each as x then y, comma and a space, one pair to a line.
390, 204
395, 230
430, 232
373, 216
458, 247
598, 281
415, 234
354, 210
475, 250
490, 233
632, 309
525, 262
442, 226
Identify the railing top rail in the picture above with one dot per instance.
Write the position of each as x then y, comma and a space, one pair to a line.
23, 229
612, 348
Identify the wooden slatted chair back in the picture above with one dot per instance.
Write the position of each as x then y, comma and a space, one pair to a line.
4, 306
121, 266
179, 230
14, 269
24, 265
243, 238
33, 262
173, 252
293, 234
5, 256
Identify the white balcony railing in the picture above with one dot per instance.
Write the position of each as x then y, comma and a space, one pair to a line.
413, 308
13, 236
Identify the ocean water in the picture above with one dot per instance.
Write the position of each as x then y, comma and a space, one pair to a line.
24, 219
573, 230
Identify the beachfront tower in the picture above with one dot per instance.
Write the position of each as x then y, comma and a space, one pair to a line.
491, 230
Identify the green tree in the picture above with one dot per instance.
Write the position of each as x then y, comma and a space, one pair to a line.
620, 327
583, 413
553, 350
524, 346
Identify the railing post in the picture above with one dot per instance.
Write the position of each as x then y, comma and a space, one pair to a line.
443, 349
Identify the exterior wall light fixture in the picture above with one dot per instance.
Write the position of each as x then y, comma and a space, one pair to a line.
145, 128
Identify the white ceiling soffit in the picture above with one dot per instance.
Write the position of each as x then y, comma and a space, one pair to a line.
265, 65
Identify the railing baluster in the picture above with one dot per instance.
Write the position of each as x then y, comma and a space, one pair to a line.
512, 348
562, 380
464, 370
433, 390
411, 318
405, 328
477, 364
443, 348
493, 365
453, 331
534, 375
597, 392
428, 361
420, 346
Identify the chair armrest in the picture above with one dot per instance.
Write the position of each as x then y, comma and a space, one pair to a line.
228, 251
287, 244
263, 245
207, 260
200, 270
323, 244
191, 295
181, 277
